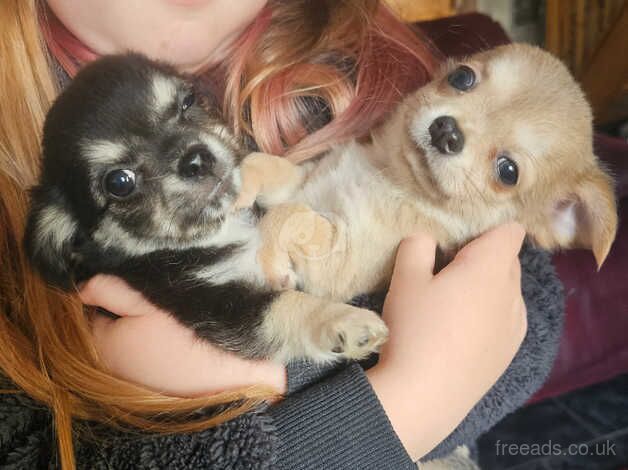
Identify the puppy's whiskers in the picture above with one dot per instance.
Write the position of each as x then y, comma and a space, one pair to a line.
171, 230
470, 182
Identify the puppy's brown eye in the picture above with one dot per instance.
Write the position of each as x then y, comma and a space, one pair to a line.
463, 78
120, 183
507, 171
188, 101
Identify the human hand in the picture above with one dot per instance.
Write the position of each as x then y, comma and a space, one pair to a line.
149, 347
452, 335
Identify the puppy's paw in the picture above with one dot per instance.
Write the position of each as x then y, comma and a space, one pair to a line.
353, 333
285, 279
278, 268
245, 199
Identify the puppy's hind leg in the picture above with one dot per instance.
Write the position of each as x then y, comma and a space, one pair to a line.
296, 235
299, 325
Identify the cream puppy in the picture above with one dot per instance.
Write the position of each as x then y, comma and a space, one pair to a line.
503, 135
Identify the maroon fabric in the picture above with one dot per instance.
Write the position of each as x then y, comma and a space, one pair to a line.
614, 153
463, 35
594, 346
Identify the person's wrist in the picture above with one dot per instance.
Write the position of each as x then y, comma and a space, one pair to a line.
398, 404
419, 404
272, 374
226, 371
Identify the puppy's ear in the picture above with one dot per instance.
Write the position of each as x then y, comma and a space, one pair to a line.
51, 235
586, 217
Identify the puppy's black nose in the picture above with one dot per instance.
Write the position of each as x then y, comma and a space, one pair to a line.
196, 163
446, 136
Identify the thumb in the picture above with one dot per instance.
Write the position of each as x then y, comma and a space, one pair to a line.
115, 295
415, 262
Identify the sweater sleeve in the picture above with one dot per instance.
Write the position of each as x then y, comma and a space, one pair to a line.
336, 422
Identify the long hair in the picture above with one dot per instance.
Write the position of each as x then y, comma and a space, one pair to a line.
349, 61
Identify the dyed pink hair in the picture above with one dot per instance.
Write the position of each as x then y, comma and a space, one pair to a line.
265, 94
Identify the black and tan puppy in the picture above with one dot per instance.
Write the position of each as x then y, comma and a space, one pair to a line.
139, 180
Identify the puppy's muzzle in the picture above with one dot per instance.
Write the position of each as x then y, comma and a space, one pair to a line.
446, 136
196, 163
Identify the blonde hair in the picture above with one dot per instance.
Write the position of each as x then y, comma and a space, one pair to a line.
354, 57
46, 347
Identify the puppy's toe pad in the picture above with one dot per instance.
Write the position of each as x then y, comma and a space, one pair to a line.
354, 334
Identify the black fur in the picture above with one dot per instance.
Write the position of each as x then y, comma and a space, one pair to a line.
226, 314
110, 100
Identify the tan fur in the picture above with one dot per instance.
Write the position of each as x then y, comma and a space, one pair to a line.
292, 231
302, 325
274, 177
366, 196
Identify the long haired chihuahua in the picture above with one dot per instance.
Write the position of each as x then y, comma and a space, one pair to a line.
139, 178
505, 135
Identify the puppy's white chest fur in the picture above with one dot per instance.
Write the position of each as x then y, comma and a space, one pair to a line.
239, 230
348, 186
371, 215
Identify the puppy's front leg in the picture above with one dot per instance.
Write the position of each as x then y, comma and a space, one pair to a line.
268, 178
299, 325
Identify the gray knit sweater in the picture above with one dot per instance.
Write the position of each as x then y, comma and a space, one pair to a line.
331, 419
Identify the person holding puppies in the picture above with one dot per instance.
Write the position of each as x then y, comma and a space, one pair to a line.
296, 78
